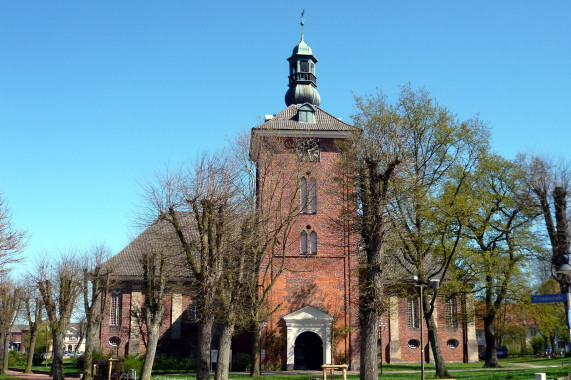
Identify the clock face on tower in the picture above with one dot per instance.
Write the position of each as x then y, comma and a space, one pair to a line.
308, 150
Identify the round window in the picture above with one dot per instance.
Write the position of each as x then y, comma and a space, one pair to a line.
413, 343
114, 341
452, 343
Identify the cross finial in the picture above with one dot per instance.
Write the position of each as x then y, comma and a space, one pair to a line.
302, 23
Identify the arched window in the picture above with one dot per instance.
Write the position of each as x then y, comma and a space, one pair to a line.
306, 113
115, 312
312, 197
412, 312
313, 242
303, 243
303, 195
451, 312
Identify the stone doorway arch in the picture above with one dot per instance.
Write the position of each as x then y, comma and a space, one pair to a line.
314, 321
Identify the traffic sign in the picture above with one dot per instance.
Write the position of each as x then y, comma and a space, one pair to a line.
547, 298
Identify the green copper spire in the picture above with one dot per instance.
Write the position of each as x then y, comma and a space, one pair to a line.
302, 80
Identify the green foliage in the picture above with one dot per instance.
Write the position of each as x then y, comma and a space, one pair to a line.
166, 364
17, 359
134, 362
242, 362
538, 345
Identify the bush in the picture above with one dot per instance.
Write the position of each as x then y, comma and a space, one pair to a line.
134, 362
168, 364
242, 362
537, 343
17, 359
38, 359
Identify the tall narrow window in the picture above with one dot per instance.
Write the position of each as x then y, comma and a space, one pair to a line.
313, 242
412, 312
303, 195
451, 312
303, 242
312, 197
115, 312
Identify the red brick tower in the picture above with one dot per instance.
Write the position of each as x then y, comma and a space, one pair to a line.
316, 295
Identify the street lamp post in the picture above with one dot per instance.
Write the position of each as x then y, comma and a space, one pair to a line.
432, 284
565, 270
382, 327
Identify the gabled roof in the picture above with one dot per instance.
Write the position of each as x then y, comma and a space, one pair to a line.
308, 313
287, 120
160, 237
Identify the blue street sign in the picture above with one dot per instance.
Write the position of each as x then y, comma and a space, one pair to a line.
569, 317
547, 298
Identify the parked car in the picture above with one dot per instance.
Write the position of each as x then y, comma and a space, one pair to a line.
501, 352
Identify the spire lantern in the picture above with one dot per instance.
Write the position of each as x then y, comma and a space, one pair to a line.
302, 80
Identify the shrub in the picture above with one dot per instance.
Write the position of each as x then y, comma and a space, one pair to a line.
134, 362
537, 343
37, 359
242, 362
17, 359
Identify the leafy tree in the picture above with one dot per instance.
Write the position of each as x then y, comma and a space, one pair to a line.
499, 228
426, 207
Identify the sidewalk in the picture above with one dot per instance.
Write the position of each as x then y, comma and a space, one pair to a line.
28, 376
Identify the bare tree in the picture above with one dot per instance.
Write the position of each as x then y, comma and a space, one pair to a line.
370, 164
95, 284
12, 241
268, 188
59, 281
202, 191
10, 303
164, 269
549, 180
33, 307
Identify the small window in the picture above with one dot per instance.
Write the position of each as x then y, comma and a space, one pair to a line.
413, 343
303, 195
115, 312
312, 197
303, 243
452, 343
304, 66
306, 113
313, 242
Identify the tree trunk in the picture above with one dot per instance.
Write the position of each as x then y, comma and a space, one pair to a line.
255, 370
6, 352
2, 340
204, 343
57, 354
33, 337
369, 359
90, 338
441, 371
153, 334
489, 333
223, 365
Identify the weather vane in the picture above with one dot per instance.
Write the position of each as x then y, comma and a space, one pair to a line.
302, 23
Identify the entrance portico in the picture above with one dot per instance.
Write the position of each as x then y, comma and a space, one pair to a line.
308, 319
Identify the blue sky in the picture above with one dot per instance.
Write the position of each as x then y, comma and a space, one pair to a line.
95, 96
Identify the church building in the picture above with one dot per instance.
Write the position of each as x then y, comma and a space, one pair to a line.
316, 297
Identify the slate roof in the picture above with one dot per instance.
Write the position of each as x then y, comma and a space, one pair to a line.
161, 237
287, 120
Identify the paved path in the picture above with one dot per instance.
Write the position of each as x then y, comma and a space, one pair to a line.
28, 376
